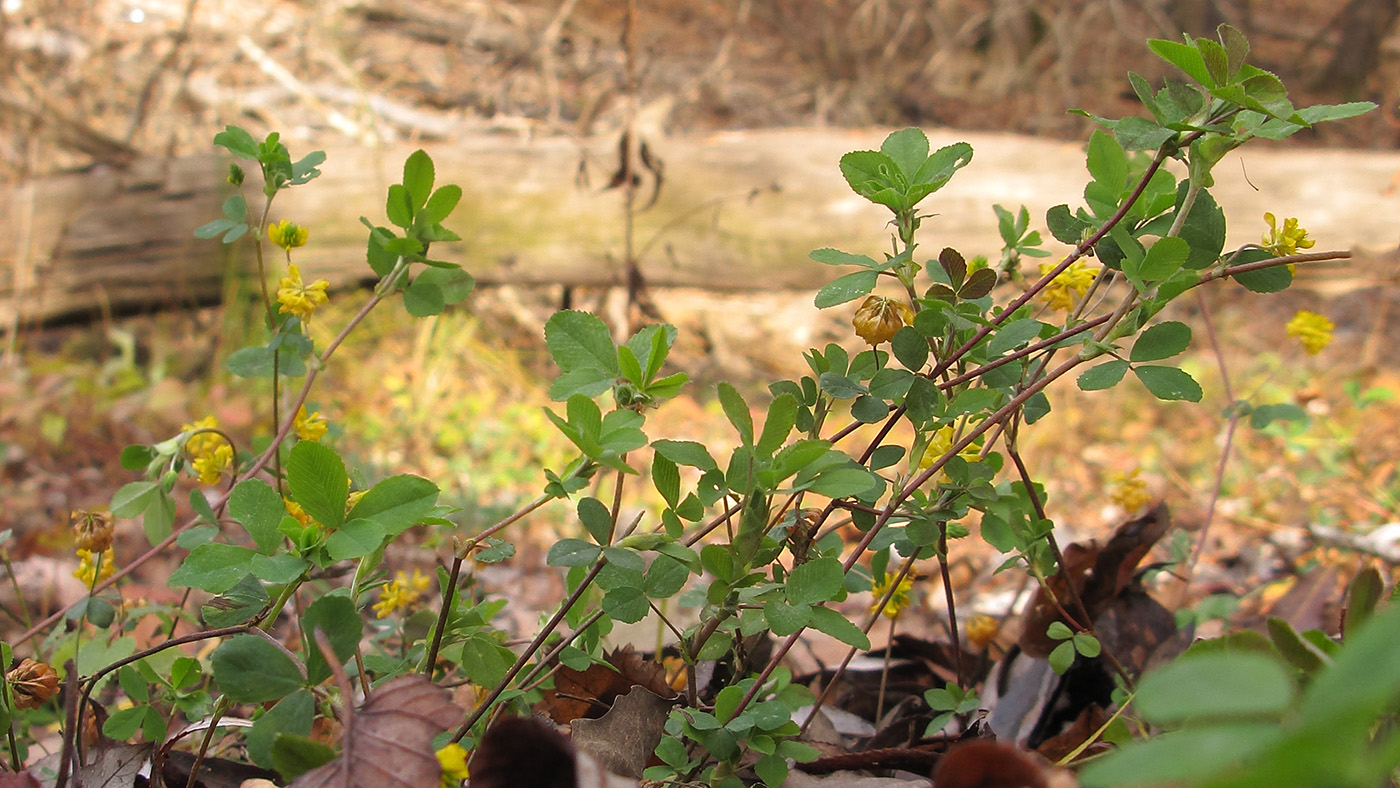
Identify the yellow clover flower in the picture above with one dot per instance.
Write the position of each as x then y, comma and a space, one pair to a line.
981, 630
204, 442
294, 509
938, 445
298, 298
899, 597
1287, 240
453, 760
287, 235
94, 567
1068, 286
404, 593
1128, 491
1314, 331
880, 318
211, 466
309, 426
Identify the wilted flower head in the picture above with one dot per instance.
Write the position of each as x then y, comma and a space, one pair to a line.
92, 530
298, 298
899, 596
1288, 240
1314, 331
32, 683
287, 235
1068, 286
880, 318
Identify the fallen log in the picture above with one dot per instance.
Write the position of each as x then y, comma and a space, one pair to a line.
737, 211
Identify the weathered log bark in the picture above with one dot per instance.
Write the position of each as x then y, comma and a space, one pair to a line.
738, 211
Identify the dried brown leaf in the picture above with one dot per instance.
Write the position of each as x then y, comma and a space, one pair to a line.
389, 743
623, 739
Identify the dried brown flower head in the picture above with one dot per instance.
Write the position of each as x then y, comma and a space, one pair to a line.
32, 683
92, 531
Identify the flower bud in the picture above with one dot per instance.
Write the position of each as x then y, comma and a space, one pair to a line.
880, 318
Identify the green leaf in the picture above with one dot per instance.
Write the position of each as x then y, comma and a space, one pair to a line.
1163, 340
335, 615
418, 177
596, 519
838, 626
1104, 376
1013, 335
1303, 655
840, 386
133, 498
159, 518
1166, 257
687, 453
1107, 162
828, 256
293, 714
908, 148
910, 347
484, 661
1236, 49
815, 581
398, 206
1183, 56
294, 755
249, 669
124, 723
1134, 133
737, 412
939, 168
259, 509
236, 605
397, 503
1169, 383
1365, 592
1264, 415
846, 288
580, 340
214, 567
1266, 280
1204, 230
1223, 685
869, 410
442, 203
238, 142
875, 177
316, 480
1061, 657
355, 539
572, 552
1064, 225
782, 415
664, 578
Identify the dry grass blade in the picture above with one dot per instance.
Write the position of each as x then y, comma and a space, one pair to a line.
390, 744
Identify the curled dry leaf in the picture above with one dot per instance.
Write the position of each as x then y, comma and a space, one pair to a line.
591, 692
624, 739
389, 740
985, 763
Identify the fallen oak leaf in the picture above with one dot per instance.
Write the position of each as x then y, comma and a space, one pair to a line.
389, 740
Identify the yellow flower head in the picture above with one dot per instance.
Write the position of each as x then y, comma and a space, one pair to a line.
1311, 329
453, 760
1288, 240
287, 235
298, 298
94, 567
212, 466
294, 509
92, 530
404, 593
1067, 286
899, 597
309, 426
204, 442
880, 318
981, 630
938, 445
1128, 491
